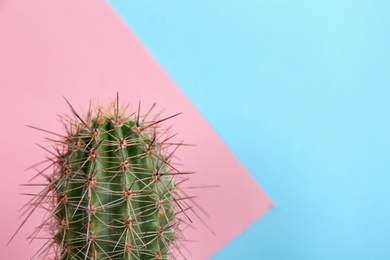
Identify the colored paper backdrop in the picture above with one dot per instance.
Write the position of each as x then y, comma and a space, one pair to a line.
298, 90
82, 50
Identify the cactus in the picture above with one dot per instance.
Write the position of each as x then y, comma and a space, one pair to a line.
113, 190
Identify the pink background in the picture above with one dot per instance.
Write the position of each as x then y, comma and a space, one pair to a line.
80, 49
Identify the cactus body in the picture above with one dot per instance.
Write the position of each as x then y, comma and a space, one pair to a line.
112, 193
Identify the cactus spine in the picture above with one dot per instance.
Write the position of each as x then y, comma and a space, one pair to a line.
113, 192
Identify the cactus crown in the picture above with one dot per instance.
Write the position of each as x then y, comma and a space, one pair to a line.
113, 190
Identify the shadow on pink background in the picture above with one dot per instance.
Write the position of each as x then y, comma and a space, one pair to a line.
81, 49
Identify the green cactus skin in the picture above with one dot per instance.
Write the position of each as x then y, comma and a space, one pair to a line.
113, 191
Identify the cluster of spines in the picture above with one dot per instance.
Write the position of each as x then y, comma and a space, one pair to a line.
113, 190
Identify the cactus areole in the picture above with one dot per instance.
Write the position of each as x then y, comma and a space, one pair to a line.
113, 189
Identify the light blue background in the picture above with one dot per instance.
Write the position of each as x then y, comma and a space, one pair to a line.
299, 90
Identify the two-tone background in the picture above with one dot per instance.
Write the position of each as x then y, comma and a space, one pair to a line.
298, 90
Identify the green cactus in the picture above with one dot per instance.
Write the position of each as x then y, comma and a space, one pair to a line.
113, 192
